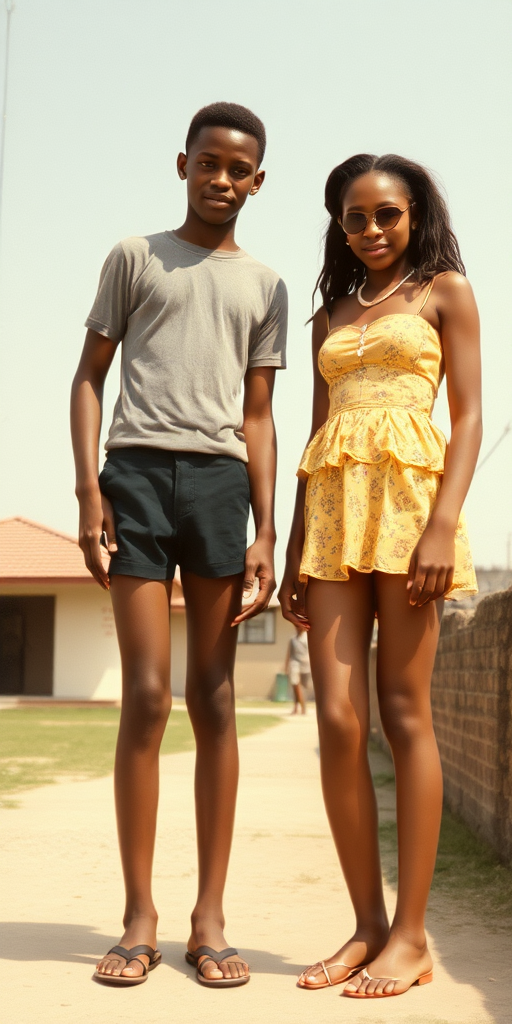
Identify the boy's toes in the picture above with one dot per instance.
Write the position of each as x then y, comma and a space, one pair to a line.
235, 969
209, 968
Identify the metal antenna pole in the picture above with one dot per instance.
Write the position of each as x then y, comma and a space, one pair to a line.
9, 6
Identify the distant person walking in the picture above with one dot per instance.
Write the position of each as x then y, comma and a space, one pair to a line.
378, 529
298, 668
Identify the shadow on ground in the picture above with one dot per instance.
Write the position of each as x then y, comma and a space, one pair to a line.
68, 943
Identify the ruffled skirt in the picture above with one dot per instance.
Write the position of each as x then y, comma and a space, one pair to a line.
373, 476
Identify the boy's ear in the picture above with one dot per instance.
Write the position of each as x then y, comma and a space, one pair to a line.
181, 164
257, 183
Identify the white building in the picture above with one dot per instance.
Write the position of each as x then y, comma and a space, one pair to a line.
57, 634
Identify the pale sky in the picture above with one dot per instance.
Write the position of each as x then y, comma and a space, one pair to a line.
100, 97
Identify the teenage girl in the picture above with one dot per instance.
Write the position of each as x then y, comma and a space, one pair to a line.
378, 530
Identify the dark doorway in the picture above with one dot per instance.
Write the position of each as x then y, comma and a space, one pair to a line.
26, 645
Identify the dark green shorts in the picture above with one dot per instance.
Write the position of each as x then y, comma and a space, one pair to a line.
176, 508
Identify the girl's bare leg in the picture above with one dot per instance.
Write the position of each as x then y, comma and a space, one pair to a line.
405, 659
342, 617
211, 607
141, 609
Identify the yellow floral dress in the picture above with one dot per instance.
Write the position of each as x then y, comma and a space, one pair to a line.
374, 468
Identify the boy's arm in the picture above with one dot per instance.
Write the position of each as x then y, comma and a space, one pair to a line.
260, 437
86, 410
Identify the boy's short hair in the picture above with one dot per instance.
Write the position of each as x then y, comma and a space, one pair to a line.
228, 115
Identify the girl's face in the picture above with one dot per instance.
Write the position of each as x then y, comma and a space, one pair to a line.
378, 248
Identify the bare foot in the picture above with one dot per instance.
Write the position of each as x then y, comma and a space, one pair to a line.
394, 970
139, 931
358, 950
211, 933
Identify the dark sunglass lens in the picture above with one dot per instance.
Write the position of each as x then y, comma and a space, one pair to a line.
353, 223
388, 217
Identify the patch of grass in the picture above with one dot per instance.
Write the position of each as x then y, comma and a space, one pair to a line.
381, 779
40, 745
466, 867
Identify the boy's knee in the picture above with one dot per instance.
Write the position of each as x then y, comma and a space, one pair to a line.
148, 701
211, 707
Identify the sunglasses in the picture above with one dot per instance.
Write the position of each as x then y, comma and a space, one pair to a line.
385, 219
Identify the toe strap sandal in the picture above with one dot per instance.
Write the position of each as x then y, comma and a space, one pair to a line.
304, 983
154, 956
212, 955
423, 979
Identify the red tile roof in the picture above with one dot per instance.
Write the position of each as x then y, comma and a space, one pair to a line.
30, 552
33, 553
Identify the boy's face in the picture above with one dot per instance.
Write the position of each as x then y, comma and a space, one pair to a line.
221, 169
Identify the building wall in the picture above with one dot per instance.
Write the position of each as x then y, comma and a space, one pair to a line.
86, 656
87, 664
472, 710
256, 664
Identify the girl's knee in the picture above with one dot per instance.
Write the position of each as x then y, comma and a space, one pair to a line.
404, 720
339, 726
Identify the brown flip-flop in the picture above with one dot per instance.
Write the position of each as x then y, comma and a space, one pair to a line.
155, 957
217, 958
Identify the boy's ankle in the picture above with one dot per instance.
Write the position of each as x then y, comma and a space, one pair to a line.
132, 915
200, 917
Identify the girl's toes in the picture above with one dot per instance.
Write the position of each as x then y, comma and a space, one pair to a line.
353, 984
389, 987
371, 986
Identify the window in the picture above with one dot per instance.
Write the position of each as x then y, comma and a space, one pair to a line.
261, 630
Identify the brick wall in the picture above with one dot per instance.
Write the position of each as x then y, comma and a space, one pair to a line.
472, 708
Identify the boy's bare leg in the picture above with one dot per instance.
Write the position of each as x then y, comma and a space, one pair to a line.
211, 607
141, 609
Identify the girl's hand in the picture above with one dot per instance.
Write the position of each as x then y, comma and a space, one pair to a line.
96, 518
432, 564
292, 594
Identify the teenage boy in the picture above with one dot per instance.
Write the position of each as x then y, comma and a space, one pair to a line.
197, 316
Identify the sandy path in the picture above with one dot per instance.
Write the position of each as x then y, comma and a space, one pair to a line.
61, 897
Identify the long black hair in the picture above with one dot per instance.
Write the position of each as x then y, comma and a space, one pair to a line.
433, 247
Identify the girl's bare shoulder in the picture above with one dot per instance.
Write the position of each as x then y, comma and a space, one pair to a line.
450, 286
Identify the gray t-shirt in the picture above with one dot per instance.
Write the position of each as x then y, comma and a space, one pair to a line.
191, 321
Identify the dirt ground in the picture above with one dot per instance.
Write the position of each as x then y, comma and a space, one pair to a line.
286, 907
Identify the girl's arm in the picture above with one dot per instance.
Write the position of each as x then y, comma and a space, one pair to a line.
260, 437
292, 593
432, 563
86, 409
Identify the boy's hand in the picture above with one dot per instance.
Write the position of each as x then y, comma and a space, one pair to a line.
259, 565
96, 519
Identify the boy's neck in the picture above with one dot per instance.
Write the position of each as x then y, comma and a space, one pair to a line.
208, 236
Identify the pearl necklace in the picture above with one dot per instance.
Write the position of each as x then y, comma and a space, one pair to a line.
386, 296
